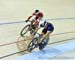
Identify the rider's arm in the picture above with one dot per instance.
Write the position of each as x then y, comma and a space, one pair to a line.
46, 35
29, 17
36, 30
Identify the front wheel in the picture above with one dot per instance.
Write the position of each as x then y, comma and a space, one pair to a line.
32, 45
24, 30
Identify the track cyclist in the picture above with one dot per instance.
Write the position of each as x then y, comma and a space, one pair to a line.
48, 28
35, 18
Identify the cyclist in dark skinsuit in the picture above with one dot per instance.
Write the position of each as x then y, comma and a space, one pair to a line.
48, 28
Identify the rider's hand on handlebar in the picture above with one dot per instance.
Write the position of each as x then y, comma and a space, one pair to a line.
26, 20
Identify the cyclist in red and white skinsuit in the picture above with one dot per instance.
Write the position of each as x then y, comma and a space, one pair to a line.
35, 17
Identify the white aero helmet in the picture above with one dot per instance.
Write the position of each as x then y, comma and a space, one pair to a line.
43, 23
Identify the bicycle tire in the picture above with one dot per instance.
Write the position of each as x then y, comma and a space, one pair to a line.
22, 43
22, 33
34, 43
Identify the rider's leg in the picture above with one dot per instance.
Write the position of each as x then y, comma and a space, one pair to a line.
35, 27
44, 39
42, 34
43, 44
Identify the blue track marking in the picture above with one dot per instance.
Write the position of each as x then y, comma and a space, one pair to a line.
49, 52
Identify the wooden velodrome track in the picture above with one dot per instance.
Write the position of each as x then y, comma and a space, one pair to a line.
13, 13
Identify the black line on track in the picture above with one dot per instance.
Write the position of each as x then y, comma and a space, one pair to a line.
26, 49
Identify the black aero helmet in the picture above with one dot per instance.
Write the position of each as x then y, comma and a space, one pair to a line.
36, 11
